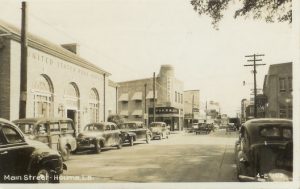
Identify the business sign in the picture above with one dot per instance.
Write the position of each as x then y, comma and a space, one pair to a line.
164, 110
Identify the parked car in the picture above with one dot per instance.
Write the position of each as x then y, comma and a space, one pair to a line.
57, 133
24, 160
264, 151
159, 130
202, 128
99, 135
134, 131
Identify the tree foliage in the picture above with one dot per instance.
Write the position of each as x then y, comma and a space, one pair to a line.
117, 119
269, 10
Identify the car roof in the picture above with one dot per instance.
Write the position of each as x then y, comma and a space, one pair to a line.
102, 123
6, 121
159, 122
137, 122
35, 120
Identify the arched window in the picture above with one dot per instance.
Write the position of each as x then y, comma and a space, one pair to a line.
72, 104
94, 105
43, 97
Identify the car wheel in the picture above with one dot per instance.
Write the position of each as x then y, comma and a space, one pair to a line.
119, 146
97, 147
44, 175
65, 153
148, 138
131, 141
161, 136
167, 136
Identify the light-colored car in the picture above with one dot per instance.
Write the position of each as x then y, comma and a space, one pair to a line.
159, 130
57, 133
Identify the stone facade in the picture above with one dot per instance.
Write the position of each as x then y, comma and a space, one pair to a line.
59, 82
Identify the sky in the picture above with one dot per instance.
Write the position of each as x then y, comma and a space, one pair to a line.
132, 38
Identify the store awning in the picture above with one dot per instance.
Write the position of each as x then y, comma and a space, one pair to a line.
137, 96
123, 97
124, 112
137, 113
150, 95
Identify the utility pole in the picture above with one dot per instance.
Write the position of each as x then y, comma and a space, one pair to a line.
206, 111
254, 60
192, 110
154, 82
145, 101
23, 70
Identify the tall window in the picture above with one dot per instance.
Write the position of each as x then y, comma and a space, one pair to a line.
181, 98
282, 85
175, 96
94, 106
43, 97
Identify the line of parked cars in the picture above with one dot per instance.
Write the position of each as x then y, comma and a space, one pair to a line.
34, 149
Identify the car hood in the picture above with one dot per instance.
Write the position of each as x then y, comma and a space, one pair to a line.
155, 129
41, 148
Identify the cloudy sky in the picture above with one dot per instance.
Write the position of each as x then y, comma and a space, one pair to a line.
132, 38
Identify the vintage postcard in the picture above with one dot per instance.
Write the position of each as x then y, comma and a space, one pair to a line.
149, 93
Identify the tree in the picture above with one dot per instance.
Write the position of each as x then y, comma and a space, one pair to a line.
117, 119
269, 10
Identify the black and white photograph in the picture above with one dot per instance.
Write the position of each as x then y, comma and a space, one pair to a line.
149, 94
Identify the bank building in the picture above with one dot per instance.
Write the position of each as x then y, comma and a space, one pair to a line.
59, 82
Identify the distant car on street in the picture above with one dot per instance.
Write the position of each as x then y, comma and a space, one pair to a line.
57, 133
24, 160
134, 131
264, 150
203, 128
159, 130
99, 135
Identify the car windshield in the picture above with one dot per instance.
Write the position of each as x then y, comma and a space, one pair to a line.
26, 128
94, 128
127, 126
155, 125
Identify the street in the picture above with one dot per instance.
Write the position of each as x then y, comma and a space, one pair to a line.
184, 157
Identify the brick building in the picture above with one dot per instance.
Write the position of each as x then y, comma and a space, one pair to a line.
136, 99
278, 89
59, 82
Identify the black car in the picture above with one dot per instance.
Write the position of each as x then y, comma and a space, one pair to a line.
264, 151
98, 136
134, 131
23, 160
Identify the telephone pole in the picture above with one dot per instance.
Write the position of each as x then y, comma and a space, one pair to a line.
145, 111
23, 70
254, 60
154, 82
193, 111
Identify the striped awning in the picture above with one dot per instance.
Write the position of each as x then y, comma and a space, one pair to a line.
123, 97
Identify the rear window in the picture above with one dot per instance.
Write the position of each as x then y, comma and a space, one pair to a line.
66, 126
277, 132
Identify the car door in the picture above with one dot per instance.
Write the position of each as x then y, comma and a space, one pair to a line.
140, 131
107, 134
115, 134
15, 154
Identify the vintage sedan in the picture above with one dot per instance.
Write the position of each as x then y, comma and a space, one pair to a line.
99, 135
159, 130
264, 151
57, 133
24, 160
134, 131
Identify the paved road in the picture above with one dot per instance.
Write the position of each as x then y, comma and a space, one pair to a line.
184, 157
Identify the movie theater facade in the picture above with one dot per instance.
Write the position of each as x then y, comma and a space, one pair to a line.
59, 82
